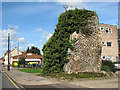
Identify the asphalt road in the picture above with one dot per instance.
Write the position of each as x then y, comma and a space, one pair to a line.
9, 83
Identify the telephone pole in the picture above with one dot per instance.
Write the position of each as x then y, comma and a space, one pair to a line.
8, 51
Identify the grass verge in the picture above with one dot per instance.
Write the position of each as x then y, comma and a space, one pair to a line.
63, 76
31, 70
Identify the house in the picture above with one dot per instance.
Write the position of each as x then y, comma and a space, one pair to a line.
109, 42
1, 60
29, 57
12, 53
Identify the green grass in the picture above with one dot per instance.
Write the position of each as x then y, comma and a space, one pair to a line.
31, 70
79, 75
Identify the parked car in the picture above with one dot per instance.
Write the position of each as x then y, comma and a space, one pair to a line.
26, 64
117, 66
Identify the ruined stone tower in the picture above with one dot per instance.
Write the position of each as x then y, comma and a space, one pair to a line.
87, 54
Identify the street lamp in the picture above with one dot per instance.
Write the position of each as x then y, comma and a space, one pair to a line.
8, 51
18, 44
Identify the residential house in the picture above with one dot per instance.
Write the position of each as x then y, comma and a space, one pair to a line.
109, 42
12, 53
1, 60
29, 57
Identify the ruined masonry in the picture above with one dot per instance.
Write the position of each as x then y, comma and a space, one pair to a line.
87, 54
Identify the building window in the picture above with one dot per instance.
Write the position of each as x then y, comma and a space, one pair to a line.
110, 58
109, 44
108, 30
103, 43
101, 28
103, 57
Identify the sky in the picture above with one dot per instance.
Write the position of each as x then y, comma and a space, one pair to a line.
33, 23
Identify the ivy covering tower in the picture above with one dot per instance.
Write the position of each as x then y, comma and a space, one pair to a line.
56, 48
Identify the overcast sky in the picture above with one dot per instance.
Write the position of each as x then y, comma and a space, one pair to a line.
36, 21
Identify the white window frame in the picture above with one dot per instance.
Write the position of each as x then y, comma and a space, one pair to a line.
102, 43
111, 45
109, 30
101, 28
109, 58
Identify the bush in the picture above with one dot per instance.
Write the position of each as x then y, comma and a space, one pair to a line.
22, 61
108, 66
105, 68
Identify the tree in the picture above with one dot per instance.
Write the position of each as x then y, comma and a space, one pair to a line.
34, 50
55, 49
22, 61
27, 50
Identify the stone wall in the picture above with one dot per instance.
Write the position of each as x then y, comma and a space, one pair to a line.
87, 54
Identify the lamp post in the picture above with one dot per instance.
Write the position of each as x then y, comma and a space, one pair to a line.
8, 51
18, 45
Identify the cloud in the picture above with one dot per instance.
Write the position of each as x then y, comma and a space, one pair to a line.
21, 40
4, 44
12, 29
12, 44
21, 48
49, 36
41, 40
4, 50
39, 29
45, 32
4, 34
59, 0
30, 45
72, 4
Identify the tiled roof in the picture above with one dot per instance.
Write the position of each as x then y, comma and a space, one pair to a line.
29, 56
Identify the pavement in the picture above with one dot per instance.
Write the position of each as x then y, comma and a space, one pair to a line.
28, 80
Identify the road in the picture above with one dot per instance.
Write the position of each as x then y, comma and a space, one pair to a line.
9, 83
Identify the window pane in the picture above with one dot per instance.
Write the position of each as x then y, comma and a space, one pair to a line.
106, 31
110, 58
109, 44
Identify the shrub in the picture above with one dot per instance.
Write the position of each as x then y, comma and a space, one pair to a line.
22, 61
105, 68
108, 66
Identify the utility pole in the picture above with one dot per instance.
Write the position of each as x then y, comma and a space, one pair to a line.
18, 45
8, 51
